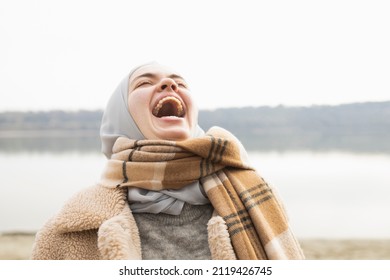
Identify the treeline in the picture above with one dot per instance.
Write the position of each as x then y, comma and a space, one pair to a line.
51, 120
356, 117
358, 126
344, 119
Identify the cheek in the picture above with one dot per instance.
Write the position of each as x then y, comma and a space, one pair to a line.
137, 103
190, 104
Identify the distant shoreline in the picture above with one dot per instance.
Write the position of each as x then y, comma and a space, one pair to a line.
356, 127
50, 133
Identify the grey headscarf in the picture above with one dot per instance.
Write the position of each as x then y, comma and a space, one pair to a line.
117, 121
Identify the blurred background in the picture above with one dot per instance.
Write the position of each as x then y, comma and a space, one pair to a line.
305, 86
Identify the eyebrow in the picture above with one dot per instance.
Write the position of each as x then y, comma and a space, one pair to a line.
152, 76
175, 76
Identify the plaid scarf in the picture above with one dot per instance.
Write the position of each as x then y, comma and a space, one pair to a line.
255, 217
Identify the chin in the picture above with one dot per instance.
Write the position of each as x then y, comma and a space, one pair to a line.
174, 134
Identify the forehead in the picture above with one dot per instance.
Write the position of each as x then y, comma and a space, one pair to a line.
155, 69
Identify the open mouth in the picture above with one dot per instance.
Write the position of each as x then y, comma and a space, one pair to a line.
169, 106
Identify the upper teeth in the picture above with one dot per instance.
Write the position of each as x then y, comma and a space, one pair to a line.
159, 105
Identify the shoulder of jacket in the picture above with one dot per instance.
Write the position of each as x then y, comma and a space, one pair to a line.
88, 209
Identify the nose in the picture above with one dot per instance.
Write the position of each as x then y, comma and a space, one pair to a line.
168, 84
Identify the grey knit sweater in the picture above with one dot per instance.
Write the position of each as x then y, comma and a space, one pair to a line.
169, 237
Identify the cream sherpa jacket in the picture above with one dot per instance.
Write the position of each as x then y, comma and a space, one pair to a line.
97, 223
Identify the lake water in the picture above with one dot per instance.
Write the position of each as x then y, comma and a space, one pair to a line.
326, 194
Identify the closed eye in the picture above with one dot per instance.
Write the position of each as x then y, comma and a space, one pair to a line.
181, 84
143, 83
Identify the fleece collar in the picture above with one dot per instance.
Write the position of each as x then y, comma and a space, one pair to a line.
90, 208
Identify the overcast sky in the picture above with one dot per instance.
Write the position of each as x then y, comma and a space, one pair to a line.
72, 54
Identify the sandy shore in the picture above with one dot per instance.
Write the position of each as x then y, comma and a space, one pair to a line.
17, 246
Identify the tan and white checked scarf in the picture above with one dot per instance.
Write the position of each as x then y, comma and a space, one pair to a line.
256, 221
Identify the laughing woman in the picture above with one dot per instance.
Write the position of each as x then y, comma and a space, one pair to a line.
169, 190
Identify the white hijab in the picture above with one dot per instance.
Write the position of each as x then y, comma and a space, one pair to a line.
117, 121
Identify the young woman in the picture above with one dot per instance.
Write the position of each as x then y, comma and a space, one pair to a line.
169, 190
